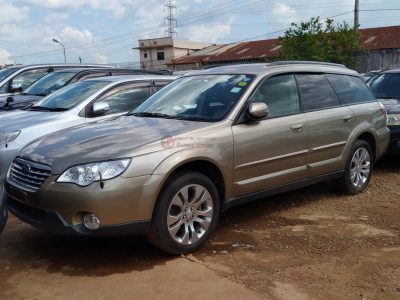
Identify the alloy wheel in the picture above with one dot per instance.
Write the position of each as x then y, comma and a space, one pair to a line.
360, 167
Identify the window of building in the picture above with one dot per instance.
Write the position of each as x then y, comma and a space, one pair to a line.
316, 92
155, 43
142, 44
145, 55
160, 55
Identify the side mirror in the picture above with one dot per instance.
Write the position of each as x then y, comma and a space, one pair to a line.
9, 100
100, 108
258, 110
16, 87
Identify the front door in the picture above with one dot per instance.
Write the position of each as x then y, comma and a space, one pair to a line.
271, 152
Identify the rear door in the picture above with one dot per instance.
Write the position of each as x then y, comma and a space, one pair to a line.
330, 124
271, 152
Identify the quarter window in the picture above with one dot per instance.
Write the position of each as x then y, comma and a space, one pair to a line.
350, 89
316, 92
280, 94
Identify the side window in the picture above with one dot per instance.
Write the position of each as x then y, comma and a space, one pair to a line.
125, 98
350, 89
280, 94
316, 92
158, 85
26, 79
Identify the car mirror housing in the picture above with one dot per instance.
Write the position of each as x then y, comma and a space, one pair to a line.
258, 110
100, 108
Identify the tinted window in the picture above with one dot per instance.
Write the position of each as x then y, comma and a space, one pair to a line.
386, 85
280, 94
350, 89
49, 83
316, 92
26, 79
124, 99
93, 75
4, 73
202, 97
160, 84
71, 95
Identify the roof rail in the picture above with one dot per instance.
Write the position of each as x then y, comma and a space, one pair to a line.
300, 62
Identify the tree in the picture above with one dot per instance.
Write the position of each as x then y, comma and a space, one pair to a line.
321, 41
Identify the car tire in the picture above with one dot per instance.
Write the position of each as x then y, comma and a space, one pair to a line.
358, 168
186, 213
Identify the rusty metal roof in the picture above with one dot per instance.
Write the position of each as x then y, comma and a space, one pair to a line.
371, 39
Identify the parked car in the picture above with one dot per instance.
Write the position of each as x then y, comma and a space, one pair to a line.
367, 76
15, 79
386, 87
76, 104
206, 142
54, 81
3, 209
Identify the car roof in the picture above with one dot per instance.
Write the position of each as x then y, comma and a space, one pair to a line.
390, 71
138, 77
262, 68
114, 70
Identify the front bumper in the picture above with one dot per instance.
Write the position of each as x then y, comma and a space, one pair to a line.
394, 139
3, 209
123, 205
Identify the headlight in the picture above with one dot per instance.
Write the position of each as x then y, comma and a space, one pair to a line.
393, 120
7, 137
84, 175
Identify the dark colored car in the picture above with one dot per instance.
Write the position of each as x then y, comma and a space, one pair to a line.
15, 79
386, 87
56, 80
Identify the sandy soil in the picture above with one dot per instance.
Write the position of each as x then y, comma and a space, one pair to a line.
312, 243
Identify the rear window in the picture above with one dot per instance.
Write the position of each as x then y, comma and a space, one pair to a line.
386, 85
350, 89
316, 92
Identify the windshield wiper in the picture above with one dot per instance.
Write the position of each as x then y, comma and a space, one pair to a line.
29, 94
48, 108
151, 115
195, 118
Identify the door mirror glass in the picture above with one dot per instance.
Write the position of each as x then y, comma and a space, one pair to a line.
258, 110
100, 108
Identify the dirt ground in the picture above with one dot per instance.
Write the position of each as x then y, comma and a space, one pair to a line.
312, 243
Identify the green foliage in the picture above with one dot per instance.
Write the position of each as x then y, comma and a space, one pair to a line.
318, 40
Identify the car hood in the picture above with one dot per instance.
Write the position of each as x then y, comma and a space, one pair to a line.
18, 99
21, 119
104, 140
392, 105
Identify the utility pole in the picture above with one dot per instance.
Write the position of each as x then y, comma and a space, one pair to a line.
170, 20
356, 14
80, 59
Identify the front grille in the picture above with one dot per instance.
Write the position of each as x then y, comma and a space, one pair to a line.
28, 175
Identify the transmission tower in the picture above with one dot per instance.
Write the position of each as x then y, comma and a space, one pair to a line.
170, 19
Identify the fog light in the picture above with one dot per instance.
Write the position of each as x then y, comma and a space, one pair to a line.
91, 221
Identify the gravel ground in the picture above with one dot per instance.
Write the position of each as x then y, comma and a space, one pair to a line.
313, 243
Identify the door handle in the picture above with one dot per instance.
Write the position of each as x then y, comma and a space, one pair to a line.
347, 118
297, 128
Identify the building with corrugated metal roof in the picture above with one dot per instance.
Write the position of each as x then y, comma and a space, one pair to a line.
381, 51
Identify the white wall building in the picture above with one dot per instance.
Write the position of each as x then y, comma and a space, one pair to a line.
157, 53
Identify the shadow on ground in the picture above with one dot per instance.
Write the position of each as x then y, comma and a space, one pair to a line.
23, 247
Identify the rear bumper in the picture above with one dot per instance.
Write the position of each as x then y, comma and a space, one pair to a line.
3, 209
55, 223
394, 139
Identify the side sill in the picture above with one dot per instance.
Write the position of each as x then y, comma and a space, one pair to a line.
280, 189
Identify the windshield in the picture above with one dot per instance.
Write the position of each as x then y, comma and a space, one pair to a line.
203, 98
70, 96
386, 85
7, 72
49, 83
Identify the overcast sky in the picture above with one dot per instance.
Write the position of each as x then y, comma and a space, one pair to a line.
104, 31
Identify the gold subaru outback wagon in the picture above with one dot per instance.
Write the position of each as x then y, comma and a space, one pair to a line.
206, 142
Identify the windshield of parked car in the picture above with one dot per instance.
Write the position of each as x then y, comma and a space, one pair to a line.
69, 96
49, 83
4, 73
386, 85
200, 98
